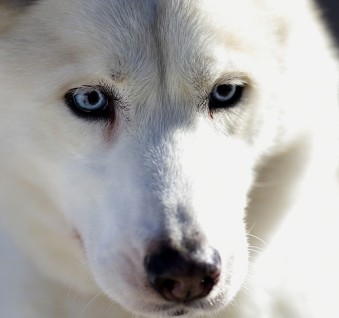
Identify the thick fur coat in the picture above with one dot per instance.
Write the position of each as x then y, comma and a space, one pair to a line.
168, 158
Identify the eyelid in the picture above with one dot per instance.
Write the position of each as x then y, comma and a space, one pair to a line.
237, 78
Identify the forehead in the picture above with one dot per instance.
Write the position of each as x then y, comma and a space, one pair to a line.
149, 45
171, 33
132, 34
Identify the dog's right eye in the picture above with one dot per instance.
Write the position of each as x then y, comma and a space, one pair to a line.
89, 102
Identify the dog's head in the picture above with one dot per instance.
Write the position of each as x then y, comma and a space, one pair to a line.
147, 118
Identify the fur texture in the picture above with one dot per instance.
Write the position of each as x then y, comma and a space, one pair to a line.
87, 198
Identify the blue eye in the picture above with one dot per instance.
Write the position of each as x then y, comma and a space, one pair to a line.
225, 96
90, 101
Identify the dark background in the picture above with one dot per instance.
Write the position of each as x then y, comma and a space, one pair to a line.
330, 10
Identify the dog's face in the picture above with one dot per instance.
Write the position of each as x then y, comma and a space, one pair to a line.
150, 116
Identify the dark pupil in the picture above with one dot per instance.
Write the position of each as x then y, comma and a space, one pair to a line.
224, 90
93, 98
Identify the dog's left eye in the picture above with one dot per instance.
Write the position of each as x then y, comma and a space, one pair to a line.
225, 96
88, 102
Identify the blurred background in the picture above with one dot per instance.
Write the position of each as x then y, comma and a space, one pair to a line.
330, 9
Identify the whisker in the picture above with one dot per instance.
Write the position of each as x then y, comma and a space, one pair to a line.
70, 289
252, 227
91, 301
256, 237
259, 248
108, 309
255, 251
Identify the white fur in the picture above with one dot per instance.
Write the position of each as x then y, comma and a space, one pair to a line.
83, 201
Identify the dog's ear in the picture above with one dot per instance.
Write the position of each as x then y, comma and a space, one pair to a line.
10, 10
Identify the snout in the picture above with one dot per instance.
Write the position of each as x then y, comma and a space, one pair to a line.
170, 241
182, 276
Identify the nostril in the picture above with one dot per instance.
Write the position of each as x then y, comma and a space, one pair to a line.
172, 288
180, 277
208, 282
184, 289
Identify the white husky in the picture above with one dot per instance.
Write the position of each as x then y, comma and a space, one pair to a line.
149, 147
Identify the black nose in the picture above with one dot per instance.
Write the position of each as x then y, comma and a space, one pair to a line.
182, 276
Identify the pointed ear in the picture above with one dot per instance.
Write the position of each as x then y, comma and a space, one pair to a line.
10, 10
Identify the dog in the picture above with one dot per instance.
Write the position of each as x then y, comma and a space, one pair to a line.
165, 158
